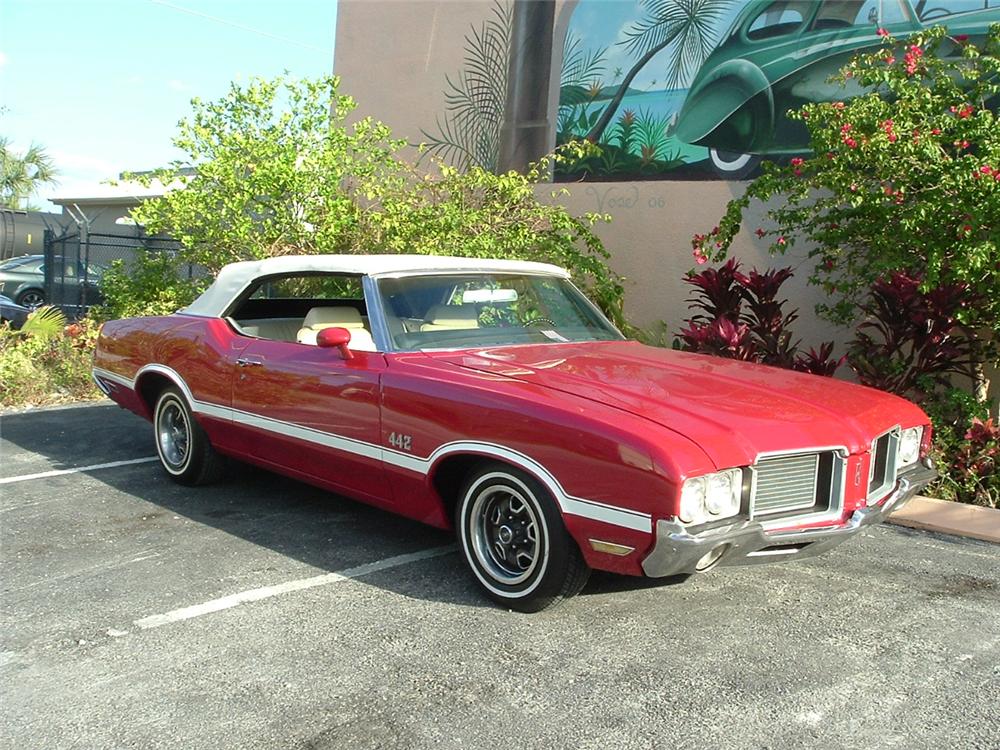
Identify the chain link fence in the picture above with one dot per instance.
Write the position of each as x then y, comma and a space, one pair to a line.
75, 262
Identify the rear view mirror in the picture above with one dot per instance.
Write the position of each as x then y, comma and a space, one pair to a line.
335, 337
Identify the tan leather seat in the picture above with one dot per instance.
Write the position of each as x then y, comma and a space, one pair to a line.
451, 318
319, 318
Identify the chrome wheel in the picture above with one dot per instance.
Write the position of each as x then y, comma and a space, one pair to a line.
31, 299
504, 528
173, 435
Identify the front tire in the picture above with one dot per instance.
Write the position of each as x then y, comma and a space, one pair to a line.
513, 539
183, 447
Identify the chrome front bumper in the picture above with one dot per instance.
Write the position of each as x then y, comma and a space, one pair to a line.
747, 543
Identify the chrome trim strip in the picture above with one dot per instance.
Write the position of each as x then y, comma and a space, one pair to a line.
98, 372
891, 464
577, 506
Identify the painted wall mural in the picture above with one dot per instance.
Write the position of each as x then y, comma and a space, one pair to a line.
467, 133
697, 89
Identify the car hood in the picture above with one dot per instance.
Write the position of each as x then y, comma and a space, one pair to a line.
732, 410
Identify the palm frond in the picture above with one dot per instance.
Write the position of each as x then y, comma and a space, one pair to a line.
44, 323
469, 132
581, 66
689, 27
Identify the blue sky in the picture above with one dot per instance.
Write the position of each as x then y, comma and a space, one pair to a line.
101, 84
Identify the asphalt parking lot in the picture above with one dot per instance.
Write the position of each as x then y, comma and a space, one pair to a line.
264, 613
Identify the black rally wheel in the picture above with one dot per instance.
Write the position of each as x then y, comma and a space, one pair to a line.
513, 539
184, 450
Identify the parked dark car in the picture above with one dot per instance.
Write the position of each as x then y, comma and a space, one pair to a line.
780, 55
12, 313
23, 280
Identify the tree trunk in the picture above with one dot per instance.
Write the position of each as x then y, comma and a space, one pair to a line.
605, 119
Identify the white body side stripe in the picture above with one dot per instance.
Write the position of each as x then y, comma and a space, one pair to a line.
577, 506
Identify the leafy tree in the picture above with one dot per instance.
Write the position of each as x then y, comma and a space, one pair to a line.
268, 171
477, 213
275, 169
905, 177
22, 174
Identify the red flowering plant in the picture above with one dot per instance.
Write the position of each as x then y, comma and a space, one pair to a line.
739, 316
912, 342
904, 177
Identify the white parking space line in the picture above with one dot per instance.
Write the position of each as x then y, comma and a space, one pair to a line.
77, 470
253, 595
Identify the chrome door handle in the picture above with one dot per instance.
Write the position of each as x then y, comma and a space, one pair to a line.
248, 362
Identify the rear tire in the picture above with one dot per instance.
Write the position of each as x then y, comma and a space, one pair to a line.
31, 298
514, 541
183, 447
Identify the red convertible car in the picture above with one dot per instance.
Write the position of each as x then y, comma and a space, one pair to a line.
493, 397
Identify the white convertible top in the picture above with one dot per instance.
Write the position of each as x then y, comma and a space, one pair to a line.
235, 277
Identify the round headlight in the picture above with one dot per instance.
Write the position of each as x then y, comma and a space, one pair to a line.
722, 496
693, 499
909, 446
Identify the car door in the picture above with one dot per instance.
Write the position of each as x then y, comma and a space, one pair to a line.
302, 408
311, 412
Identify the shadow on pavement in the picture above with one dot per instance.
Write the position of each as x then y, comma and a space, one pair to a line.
305, 523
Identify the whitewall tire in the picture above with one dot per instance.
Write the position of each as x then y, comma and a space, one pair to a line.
513, 539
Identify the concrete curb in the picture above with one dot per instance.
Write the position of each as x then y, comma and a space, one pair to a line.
945, 517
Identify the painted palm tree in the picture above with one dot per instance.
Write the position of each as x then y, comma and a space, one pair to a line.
22, 174
688, 27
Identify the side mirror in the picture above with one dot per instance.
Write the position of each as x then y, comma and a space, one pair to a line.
337, 338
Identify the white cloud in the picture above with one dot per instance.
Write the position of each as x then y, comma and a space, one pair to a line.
175, 85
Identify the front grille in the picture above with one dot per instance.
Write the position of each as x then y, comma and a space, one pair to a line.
882, 470
786, 483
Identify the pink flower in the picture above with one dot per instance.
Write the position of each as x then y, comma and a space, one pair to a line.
889, 60
699, 258
961, 38
851, 142
883, 33
781, 241
760, 232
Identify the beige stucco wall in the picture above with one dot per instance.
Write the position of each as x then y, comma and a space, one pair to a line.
393, 57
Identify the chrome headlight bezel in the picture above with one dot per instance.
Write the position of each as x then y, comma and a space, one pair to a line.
711, 497
910, 442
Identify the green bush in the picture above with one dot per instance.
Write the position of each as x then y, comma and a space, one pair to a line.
47, 361
275, 168
154, 284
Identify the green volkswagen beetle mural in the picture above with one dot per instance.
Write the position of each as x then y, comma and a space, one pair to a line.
698, 89
780, 54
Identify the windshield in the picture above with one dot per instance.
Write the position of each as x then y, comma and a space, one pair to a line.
457, 311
